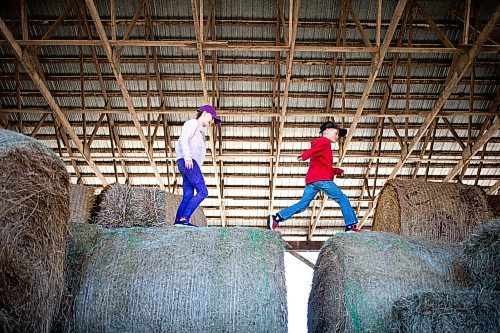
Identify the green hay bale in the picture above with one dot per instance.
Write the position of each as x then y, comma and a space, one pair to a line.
482, 256
358, 276
34, 215
177, 279
83, 237
455, 311
127, 206
430, 210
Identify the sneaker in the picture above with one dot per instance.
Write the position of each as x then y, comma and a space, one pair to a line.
351, 228
271, 222
184, 223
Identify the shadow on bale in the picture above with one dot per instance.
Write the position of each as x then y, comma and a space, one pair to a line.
34, 214
454, 311
482, 256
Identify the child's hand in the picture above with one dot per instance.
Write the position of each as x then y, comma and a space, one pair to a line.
299, 158
341, 174
188, 163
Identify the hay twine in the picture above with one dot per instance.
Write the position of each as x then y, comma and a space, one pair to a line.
34, 214
127, 206
177, 279
358, 276
430, 210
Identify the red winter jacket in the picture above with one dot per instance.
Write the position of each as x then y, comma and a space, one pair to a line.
321, 164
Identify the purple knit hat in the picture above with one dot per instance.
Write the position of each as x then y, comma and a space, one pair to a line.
210, 109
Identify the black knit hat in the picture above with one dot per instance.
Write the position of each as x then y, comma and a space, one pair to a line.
332, 124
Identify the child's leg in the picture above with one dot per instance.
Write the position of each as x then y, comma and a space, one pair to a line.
309, 194
187, 189
196, 180
334, 192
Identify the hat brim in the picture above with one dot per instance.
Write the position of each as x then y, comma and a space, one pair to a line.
342, 132
217, 120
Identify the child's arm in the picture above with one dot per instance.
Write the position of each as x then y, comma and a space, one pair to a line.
187, 132
310, 152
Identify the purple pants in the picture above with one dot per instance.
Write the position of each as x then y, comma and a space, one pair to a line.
191, 179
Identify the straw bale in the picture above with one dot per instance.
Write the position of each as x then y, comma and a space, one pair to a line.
454, 311
427, 210
177, 279
34, 215
482, 255
126, 206
81, 203
358, 276
494, 202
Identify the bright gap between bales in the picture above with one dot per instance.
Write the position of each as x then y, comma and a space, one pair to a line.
298, 283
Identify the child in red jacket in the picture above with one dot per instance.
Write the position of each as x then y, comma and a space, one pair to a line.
319, 177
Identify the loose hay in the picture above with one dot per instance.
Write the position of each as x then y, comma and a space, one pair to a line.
178, 279
81, 201
34, 214
126, 206
358, 276
434, 211
482, 256
459, 311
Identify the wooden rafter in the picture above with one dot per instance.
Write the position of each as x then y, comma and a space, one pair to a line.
289, 64
198, 28
377, 65
458, 69
123, 88
455, 74
56, 111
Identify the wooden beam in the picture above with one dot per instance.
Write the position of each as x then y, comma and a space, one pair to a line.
455, 74
377, 65
301, 258
289, 64
434, 27
123, 88
198, 26
56, 111
470, 152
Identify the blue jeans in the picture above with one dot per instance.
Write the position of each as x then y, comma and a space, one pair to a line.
332, 191
191, 179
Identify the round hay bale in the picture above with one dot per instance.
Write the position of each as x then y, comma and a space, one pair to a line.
34, 214
358, 276
176, 279
82, 238
127, 206
428, 210
494, 202
482, 256
81, 203
454, 311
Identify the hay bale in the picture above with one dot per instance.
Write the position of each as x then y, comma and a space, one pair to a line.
357, 277
173, 201
176, 279
494, 202
81, 202
455, 311
34, 214
427, 210
83, 237
482, 256
126, 206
